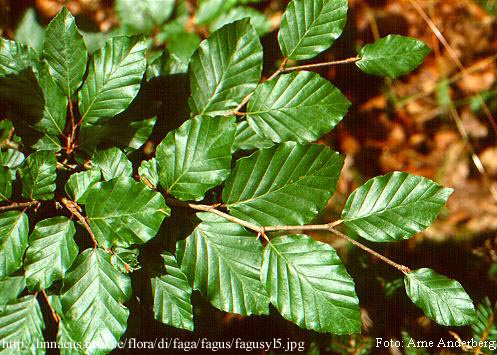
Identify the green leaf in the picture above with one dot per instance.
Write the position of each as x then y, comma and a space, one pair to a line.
38, 174
142, 16
148, 172
92, 300
112, 163
65, 52
301, 106
181, 46
209, 10
130, 129
47, 142
14, 228
485, 325
64, 337
123, 212
125, 260
5, 183
29, 31
261, 23
287, 184
309, 27
394, 206
21, 322
172, 293
79, 183
196, 157
309, 285
441, 299
247, 139
11, 158
114, 77
53, 120
16, 57
392, 56
223, 261
51, 252
225, 68
10, 288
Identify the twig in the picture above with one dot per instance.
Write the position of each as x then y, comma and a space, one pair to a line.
72, 135
75, 209
324, 64
212, 209
402, 268
55, 316
16, 205
261, 230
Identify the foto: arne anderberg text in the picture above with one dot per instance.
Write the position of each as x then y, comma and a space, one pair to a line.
442, 343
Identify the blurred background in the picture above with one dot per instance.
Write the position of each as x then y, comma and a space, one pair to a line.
438, 122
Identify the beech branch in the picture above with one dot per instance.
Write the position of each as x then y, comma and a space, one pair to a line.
75, 210
19, 205
262, 230
324, 64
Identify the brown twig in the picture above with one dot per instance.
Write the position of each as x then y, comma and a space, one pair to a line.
55, 316
76, 210
16, 205
324, 64
72, 135
262, 230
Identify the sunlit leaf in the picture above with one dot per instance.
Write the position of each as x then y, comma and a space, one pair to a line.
441, 299
222, 260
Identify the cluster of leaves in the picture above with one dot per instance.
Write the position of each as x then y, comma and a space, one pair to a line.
281, 179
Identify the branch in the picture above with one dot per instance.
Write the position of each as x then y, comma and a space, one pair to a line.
55, 316
325, 64
16, 205
72, 134
75, 210
261, 230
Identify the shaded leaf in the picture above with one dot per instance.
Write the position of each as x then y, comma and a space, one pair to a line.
65, 52
148, 172
300, 106
225, 68
79, 183
125, 260
10, 288
29, 31
392, 56
142, 16
112, 163
309, 27
485, 325
21, 322
11, 158
261, 22
172, 293
51, 252
196, 157
5, 183
309, 285
287, 184
123, 212
53, 120
441, 299
38, 174
394, 206
222, 260
247, 139
92, 300
14, 228
114, 77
